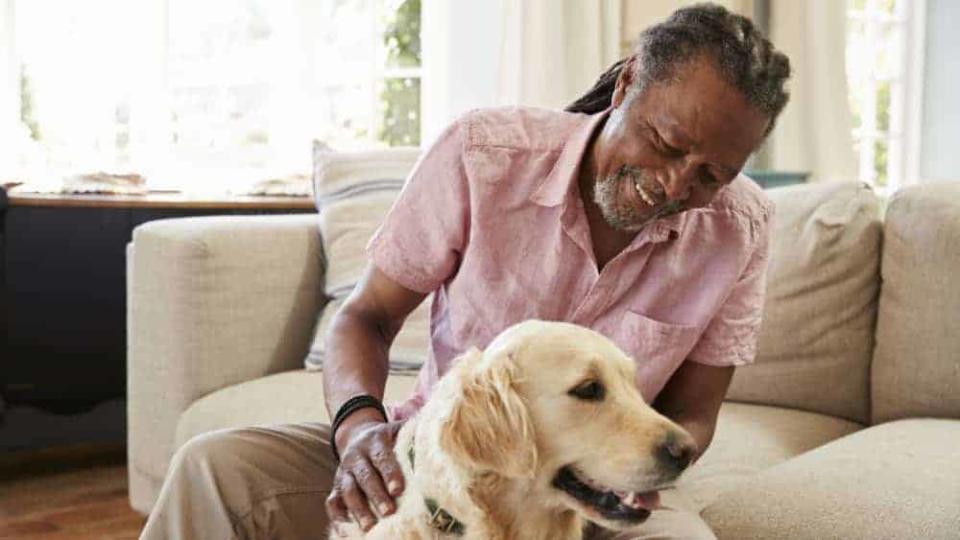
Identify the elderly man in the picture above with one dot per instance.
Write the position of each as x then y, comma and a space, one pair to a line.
627, 214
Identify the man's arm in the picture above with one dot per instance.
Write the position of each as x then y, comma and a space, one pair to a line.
692, 399
358, 341
357, 362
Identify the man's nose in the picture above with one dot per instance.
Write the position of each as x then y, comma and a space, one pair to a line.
678, 182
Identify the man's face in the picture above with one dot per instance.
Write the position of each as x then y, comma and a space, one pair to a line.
672, 146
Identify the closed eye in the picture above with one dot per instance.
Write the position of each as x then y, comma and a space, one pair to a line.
707, 178
591, 390
662, 144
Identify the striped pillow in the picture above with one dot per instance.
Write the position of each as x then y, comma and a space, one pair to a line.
353, 192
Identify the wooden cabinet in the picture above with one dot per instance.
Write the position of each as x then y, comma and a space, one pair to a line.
63, 302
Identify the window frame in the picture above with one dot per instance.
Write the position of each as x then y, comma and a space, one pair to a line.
903, 136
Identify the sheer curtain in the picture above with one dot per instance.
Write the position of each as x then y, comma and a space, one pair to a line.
542, 53
814, 131
553, 50
461, 43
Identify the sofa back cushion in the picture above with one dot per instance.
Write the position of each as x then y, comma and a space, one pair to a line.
916, 366
816, 339
353, 192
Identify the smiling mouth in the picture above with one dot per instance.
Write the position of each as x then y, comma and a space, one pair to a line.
660, 208
644, 194
629, 507
651, 196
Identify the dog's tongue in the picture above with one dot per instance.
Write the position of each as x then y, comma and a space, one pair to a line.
649, 500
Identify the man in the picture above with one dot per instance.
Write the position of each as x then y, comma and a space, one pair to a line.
632, 220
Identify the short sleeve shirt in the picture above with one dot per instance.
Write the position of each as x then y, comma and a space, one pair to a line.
492, 222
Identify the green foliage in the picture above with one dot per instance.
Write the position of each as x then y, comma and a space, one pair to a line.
400, 97
883, 126
400, 101
26, 105
402, 36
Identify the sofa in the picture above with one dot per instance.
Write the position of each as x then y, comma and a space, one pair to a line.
847, 425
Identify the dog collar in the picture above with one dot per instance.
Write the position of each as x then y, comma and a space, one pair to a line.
440, 519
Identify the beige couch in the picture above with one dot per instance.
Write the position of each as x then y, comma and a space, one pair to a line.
847, 426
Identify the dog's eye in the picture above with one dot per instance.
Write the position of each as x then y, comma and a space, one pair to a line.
589, 391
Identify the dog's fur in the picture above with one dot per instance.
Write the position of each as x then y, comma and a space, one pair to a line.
499, 427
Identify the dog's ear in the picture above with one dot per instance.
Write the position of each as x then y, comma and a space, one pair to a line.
489, 427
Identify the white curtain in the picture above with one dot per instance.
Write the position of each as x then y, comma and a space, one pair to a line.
813, 133
543, 53
554, 50
461, 41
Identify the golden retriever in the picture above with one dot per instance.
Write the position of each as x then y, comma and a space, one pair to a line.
529, 438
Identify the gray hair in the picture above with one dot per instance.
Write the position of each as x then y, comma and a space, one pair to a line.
743, 56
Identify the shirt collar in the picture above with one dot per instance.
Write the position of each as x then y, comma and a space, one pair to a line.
554, 187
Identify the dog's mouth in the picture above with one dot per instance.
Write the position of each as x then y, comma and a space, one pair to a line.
608, 503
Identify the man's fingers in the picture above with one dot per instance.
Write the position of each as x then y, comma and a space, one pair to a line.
336, 509
386, 463
356, 502
372, 485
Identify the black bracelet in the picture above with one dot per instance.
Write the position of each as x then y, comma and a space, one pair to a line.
352, 405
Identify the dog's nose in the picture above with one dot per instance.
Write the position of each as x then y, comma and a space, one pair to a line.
676, 452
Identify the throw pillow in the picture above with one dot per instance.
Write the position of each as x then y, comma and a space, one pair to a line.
353, 192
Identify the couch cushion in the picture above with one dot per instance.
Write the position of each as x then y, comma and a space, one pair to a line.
915, 369
816, 339
354, 191
752, 438
255, 403
899, 480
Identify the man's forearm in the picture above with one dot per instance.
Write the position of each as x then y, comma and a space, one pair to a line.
692, 398
702, 430
356, 362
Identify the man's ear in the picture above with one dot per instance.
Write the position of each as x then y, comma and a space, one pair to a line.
624, 81
489, 428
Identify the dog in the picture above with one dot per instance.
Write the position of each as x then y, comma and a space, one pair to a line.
530, 439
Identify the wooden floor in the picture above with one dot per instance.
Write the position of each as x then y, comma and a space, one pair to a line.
66, 493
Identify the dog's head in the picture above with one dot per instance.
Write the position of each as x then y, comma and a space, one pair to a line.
555, 405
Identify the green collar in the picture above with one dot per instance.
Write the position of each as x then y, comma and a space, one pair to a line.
440, 519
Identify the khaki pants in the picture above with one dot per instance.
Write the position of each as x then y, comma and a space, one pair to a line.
271, 482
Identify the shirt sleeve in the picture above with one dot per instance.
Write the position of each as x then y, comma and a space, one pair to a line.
731, 336
423, 236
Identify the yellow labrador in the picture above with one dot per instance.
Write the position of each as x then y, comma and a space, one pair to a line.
529, 438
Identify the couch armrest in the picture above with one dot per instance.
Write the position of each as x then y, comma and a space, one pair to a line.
211, 302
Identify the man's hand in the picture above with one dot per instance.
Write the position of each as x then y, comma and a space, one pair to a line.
357, 363
369, 473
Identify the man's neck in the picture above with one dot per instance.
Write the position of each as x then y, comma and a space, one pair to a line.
607, 242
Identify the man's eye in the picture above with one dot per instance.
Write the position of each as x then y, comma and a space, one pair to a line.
708, 179
663, 147
588, 391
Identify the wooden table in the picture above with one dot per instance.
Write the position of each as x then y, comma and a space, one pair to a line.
63, 303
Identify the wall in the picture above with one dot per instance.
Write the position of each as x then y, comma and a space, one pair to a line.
940, 132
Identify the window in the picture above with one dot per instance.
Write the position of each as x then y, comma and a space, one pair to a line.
884, 60
213, 92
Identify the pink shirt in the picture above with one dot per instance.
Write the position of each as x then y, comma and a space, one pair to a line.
491, 220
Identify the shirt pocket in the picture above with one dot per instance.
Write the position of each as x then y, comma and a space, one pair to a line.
657, 347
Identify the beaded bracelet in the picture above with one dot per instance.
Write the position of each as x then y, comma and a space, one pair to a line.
352, 405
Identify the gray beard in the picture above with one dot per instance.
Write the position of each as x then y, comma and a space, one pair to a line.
620, 214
